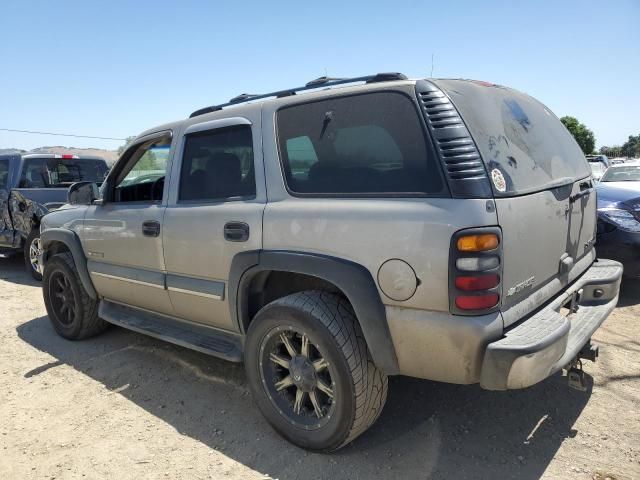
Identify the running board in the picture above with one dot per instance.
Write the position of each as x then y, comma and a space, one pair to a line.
190, 335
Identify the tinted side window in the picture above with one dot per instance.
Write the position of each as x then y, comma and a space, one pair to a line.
363, 144
218, 165
4, 174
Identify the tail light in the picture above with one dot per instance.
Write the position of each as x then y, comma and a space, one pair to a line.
475, 271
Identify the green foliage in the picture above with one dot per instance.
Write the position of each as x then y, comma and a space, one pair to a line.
630, 148
611, 152
585, 137
149, 161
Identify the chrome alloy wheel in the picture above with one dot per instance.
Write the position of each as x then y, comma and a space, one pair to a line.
35, 250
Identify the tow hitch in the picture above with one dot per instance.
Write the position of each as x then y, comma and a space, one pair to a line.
575, 374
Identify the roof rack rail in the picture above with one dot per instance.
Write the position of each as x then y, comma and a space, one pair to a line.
317, 83
243, 97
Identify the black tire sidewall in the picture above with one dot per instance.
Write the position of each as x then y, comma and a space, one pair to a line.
58, 264
331, 435
27, 254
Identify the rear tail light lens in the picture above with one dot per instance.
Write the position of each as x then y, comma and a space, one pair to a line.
477, 264
475, 271
478, 243
477, 302
475, 283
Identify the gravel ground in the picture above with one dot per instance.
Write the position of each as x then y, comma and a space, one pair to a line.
126, 406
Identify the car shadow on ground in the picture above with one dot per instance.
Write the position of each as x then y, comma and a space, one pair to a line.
629, 292
13, 270
438, 430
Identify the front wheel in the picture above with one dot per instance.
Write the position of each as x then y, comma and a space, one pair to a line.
310, 371
32, 251
73, 314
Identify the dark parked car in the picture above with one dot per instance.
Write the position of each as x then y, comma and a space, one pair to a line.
619, 217
32, 185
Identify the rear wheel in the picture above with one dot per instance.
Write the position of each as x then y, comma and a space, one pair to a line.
73, 314
310, 370
32, 251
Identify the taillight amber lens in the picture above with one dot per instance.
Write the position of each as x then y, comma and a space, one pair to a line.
477, 243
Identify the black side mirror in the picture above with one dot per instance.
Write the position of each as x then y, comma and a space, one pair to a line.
82, 193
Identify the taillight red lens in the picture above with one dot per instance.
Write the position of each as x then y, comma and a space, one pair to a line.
482, 282
67, 156
477, 302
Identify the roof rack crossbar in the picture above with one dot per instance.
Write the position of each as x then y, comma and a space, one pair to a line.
313, 84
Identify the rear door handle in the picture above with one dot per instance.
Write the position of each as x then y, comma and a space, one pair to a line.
151, 228
236, 231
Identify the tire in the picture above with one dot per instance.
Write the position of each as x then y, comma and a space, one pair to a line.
358, 388
61, 287
32, 246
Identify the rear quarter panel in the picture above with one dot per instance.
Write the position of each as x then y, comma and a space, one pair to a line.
27, 206
372, 231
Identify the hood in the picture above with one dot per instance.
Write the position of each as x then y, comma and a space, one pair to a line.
612, 193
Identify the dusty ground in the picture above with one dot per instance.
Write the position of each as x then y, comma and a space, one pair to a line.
126, 406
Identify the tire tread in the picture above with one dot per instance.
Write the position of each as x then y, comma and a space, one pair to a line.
337, 315
91, 323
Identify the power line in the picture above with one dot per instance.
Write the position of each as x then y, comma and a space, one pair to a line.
60, 134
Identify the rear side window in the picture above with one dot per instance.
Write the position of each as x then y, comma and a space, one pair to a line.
358, 145
218, 165
4, 174
519, 138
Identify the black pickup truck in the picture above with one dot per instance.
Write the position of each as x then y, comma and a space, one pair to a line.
31, 185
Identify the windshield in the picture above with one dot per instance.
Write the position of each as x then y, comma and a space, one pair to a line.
523, 144
630, 173
61, 172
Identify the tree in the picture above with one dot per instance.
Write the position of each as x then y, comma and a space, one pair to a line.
631, 148
581, 133
122, 148
611, 152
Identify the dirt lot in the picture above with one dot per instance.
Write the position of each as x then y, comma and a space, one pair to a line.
126, 406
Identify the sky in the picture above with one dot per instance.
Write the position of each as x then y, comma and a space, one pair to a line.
115, 68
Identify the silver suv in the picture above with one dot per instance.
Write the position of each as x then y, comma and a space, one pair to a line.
440, 229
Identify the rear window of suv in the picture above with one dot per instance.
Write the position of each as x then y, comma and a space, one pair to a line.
368, 144
517, 136
61, 172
